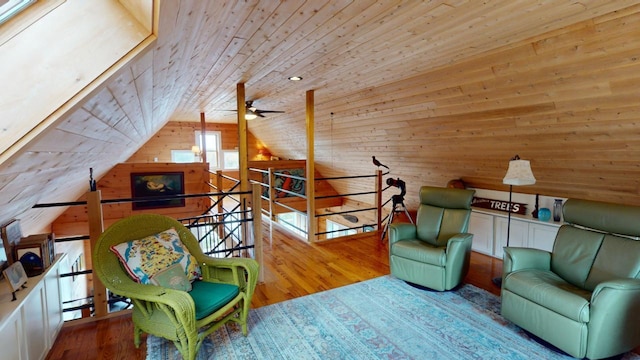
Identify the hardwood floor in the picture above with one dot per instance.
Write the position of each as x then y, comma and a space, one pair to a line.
292, 269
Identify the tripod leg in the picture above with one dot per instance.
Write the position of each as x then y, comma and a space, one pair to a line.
406, 212
386, 226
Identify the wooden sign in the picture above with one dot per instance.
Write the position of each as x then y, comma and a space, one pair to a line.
500, 205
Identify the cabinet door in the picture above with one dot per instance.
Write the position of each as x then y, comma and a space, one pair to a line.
54, 303
481, 226
518, 233
10, 344
33, 313
542, 236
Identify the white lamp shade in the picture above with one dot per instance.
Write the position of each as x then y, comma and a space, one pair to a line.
250, 115
195, 149
519, 173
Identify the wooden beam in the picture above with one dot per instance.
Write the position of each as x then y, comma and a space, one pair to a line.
96, 227
203, 143
243, 152
312, 224
256, 211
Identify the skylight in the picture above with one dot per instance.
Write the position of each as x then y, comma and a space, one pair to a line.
9, 8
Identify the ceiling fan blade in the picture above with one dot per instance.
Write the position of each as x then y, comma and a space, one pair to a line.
269, 111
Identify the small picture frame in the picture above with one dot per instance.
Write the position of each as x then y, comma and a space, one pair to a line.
16, 277
11, 234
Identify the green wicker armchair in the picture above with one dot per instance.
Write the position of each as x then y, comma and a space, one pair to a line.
175, 314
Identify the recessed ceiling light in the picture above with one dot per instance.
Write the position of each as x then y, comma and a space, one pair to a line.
295, 78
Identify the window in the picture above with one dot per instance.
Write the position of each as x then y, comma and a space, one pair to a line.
295, 222
212, 141
10, 8
230, 159
182, 156
338, 230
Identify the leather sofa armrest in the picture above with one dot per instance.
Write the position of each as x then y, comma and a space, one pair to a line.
614, 317
621, 286
401, 231
516, 258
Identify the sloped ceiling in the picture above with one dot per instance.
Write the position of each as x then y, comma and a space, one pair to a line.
353, 54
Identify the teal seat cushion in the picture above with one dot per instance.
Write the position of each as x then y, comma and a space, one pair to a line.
420, 251
210, 297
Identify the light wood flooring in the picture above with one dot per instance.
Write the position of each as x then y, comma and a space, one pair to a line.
292, 269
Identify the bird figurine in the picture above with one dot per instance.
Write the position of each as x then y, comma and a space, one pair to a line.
378, 163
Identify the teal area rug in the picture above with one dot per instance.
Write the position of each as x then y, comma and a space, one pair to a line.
383, 318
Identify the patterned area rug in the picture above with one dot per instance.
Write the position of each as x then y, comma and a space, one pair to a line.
383, 318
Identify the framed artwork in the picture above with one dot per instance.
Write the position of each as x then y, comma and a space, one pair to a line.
16, 277
11, 234
286, 183
161, 186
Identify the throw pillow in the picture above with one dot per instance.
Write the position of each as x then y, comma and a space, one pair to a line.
172, 277
143, 258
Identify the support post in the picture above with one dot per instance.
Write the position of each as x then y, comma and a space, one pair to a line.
256, 208
243, 154
96, 227
379, 202
312, 224
203, 143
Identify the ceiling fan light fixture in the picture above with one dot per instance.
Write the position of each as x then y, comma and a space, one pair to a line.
250, 115
295, 78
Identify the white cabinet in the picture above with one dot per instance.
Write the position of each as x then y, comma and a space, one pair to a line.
489, 231
30, 324
481, 226
35, 323
542, 236
518, 234
10, 336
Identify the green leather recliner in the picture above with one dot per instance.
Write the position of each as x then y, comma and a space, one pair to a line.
435, 251
185, 318
584, 296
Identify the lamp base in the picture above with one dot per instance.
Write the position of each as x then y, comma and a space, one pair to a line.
497, 281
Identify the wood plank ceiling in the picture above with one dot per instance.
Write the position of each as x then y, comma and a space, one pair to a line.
435, 89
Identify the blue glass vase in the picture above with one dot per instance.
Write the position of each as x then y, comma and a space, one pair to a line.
544, 214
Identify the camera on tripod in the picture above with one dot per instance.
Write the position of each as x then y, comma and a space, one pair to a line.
400, 185
398, 203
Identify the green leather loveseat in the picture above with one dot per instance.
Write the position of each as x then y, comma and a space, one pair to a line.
584, 296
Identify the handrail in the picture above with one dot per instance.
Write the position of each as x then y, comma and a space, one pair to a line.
349, 177
346, 212
290, 176
347, 228
141, 199
291, 192
348, 194
269, 196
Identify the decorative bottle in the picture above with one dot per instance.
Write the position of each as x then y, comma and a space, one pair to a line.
557, 209
534, 213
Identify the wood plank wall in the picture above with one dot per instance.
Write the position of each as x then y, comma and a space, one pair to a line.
568, 101
179, 135
116, 183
